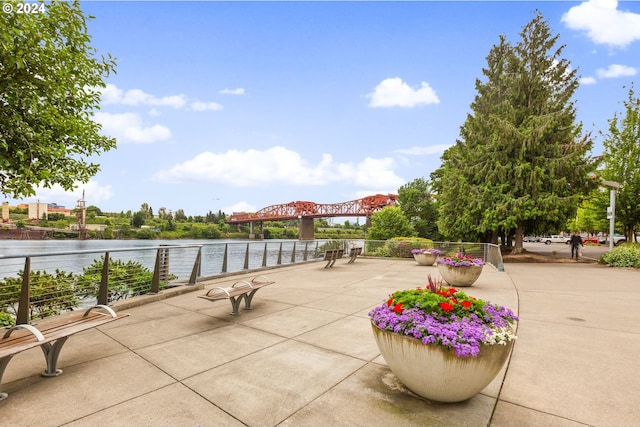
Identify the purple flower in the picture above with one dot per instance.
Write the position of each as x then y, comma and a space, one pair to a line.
427, 251
463, 329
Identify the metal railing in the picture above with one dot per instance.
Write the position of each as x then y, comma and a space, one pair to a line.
64, 281
488, 252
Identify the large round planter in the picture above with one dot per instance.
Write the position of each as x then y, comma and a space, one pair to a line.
425, 259
435, 372
460, 276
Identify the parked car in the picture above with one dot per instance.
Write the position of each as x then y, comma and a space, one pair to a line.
592, 239
555, 238
531, 238
617, 239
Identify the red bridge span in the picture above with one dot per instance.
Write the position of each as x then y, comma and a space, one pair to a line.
307, 211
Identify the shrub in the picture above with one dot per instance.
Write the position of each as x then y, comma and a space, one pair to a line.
126, 279
50, 295
625, 255
6, 319
401, 247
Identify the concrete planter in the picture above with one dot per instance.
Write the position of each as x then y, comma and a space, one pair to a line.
436, 373
460, 276
425, 259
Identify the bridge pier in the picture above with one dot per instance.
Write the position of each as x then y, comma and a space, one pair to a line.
306, 229
252, 234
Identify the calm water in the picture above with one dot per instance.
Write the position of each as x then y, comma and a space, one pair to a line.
181, 260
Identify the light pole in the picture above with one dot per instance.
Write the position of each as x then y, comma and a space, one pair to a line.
611, 213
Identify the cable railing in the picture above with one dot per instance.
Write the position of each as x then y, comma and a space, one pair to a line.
64, 281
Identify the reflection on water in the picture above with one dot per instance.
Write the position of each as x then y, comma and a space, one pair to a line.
181, 260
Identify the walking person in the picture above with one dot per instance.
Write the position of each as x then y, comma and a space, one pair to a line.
575, 242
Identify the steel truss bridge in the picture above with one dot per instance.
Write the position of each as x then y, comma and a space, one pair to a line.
309, 210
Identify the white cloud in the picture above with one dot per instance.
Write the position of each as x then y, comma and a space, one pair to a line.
94, 194
242, 206
604, 23
278, 165
129, 127
588, 80
134, 97
420, 151
238, 91
205, 106
394, 92
616, 70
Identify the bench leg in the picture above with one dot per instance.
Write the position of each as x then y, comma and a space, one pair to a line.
3, 365
235, 303
51, 353
329, 263
247, 299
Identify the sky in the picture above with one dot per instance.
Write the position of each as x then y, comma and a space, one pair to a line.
236, 106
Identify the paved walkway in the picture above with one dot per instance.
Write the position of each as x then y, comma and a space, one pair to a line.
305, 356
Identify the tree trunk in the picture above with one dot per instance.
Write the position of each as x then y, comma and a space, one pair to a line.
518, 249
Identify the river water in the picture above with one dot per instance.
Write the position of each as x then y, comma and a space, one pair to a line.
73, 255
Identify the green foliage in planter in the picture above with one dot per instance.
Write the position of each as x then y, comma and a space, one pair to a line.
126, 279
6, 319
50, 294
400, 247
397, 247
625, 255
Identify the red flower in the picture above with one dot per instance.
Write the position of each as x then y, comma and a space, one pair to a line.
452, 291
466, 304
454, 301
446, 306
397, 308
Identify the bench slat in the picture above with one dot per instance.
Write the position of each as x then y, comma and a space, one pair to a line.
21, 340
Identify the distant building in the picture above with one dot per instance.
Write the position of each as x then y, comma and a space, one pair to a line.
37, 211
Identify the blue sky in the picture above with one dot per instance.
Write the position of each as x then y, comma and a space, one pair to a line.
236, 106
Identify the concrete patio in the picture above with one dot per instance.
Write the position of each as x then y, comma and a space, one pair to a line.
305, 355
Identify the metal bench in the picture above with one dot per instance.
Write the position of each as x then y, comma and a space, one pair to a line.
331, 255
237, 292
49, 334
353, 254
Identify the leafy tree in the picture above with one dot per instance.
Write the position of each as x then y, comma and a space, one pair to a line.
94, 210
138, 219
417, 202
50, 80
621, 159
180, 216
389, 222
146, 210
521, 164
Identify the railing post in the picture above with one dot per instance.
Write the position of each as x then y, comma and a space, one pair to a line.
264, 255
280, 255
103, 292
24, 305
224, 259
246, 258
306, 251
195, 272
293, 253
155, 282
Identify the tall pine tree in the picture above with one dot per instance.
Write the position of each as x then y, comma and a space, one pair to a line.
521, 163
